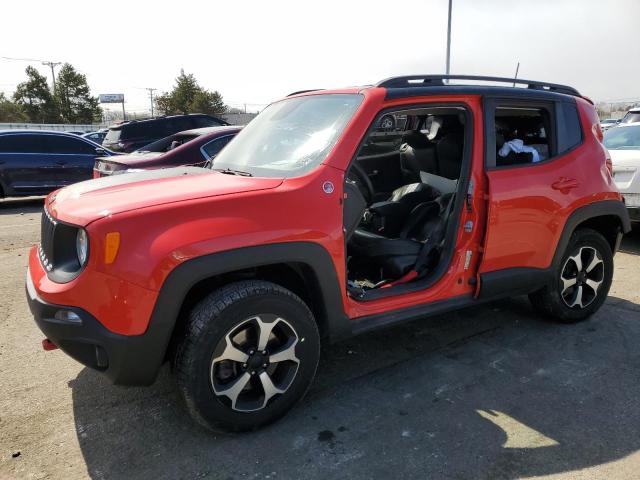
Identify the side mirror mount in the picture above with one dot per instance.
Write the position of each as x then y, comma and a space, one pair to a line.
100, 151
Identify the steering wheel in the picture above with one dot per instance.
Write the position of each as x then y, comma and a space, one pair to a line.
362, 181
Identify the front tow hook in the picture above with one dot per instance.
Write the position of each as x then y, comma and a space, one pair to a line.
48, 345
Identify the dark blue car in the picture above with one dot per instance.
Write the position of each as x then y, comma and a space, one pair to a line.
34, 162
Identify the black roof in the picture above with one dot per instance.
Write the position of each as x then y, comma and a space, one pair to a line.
164, 117
419, 85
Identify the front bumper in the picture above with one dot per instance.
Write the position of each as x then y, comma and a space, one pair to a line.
124, 359
634, 213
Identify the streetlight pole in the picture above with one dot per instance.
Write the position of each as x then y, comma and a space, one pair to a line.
53, 65
449, 39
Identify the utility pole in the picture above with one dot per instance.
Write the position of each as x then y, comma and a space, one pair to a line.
449, 39
151, 90
53, 65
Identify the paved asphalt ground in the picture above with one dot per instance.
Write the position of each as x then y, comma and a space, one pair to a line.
490, 392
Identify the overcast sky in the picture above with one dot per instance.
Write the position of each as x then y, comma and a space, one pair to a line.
256, 51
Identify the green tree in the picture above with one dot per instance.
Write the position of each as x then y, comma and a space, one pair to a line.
188, 96
74, 99
11, 111
34, 98
205, 101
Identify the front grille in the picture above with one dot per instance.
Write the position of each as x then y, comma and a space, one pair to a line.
47, 231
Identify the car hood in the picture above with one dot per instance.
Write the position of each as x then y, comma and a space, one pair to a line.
132, 158
84, 202
625, 158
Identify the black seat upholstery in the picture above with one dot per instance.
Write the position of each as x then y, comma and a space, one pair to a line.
417, 154
449, 152
396, 256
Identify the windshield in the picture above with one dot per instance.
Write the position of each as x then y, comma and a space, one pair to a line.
623, 138
631, 117
290, 137
168, 143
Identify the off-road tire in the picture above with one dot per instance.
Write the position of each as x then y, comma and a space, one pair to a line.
549, 300
210, 322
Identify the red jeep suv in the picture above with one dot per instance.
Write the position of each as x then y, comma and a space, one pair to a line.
332, 213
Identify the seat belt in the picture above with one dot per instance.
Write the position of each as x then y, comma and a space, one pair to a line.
433, 241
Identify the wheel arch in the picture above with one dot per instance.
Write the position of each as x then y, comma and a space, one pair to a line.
305, 268
608, 217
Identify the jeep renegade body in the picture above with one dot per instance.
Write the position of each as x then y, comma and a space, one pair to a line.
331, 214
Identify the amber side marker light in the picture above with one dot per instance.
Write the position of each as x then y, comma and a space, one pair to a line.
111, 246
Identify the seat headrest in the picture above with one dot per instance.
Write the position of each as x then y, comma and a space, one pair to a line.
416, 139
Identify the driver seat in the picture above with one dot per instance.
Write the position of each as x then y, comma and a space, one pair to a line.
397, 256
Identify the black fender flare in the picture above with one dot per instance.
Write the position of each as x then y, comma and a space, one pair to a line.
603, 208
183, 277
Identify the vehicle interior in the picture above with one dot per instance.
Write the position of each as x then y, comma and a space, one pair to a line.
521, 135
400, 193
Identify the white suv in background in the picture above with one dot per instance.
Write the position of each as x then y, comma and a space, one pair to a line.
623, 143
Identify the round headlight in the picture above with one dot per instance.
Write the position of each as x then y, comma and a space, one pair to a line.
82, 246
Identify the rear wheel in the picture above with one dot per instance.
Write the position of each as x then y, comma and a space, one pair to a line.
581, 280
249, 354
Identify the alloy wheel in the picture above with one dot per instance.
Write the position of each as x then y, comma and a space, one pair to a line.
255, 362
581, 278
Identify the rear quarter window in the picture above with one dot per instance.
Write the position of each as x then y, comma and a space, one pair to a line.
569, 128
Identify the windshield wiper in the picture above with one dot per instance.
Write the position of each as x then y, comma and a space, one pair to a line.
229, 171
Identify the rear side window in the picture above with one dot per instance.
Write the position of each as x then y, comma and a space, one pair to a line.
22, 144
179, 124
522, 135
141, 130
68, 145
202, 122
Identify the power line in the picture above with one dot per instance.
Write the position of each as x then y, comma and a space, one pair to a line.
23, 59
48, 63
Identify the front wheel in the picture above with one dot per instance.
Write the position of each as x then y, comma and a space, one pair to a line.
250, 352
581, 280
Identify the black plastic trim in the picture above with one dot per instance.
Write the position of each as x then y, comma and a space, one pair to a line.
430, 80
593, 210
388, 319
136, 360
125, 360
512, 281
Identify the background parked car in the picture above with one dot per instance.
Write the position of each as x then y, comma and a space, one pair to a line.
97, 137
129, 136
632, 116
623, 143
195, 147
38, 162
607, 123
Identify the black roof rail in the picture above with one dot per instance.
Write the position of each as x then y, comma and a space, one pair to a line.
304, 91
409, 81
